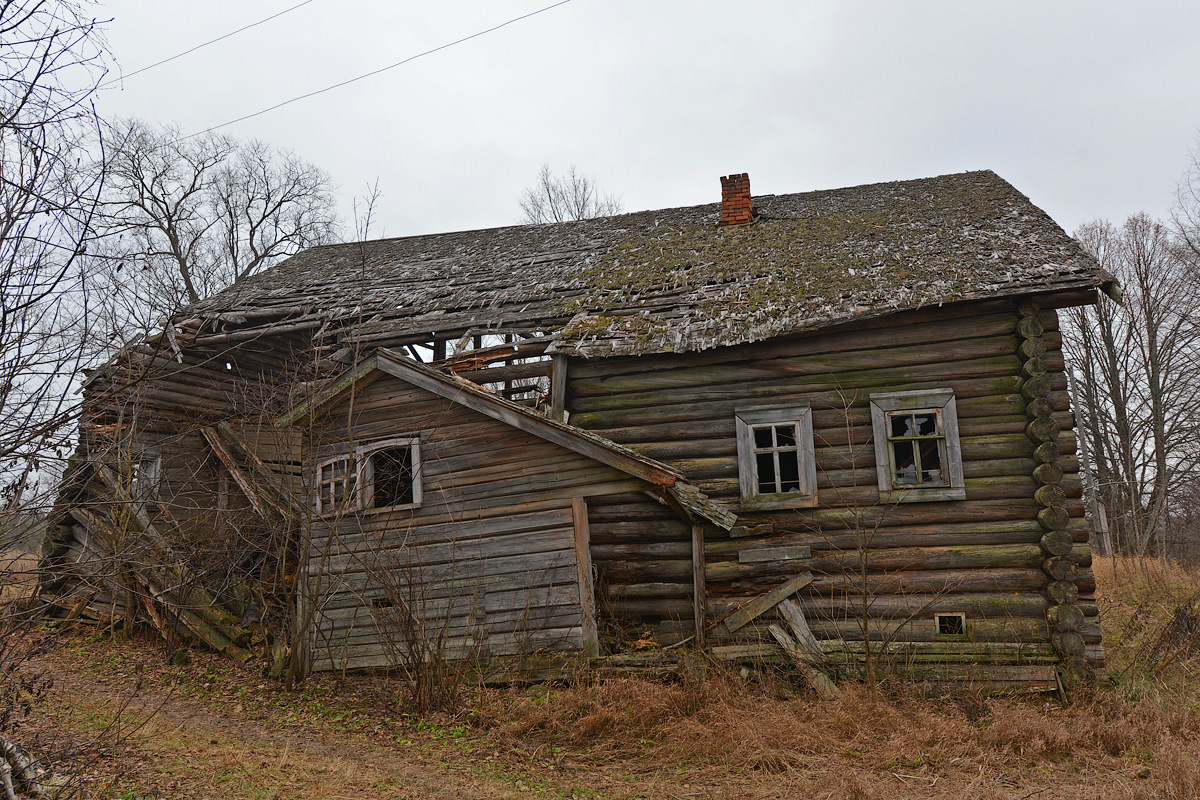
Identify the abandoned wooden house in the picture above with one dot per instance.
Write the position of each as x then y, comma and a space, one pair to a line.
830, 424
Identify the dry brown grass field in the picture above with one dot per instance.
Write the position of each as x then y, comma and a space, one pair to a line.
211, 729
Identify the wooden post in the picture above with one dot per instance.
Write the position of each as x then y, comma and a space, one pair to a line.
698, 592
558, 388
583, 560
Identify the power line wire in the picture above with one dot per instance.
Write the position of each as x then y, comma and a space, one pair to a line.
377, 71
205, 44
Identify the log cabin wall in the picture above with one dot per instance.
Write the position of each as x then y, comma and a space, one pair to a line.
487, 561
149, 413
880, 570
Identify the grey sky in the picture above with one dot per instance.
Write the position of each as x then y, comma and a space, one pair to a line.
1087, 107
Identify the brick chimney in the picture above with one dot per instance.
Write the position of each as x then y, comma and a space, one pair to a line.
736, 207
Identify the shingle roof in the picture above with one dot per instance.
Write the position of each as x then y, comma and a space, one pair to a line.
672, 280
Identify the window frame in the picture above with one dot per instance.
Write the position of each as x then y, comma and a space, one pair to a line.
749, 418
366, 477
361, 467
940, 401
961, 616
146, 478
318, 483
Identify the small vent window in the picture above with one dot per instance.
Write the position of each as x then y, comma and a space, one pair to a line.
951, 624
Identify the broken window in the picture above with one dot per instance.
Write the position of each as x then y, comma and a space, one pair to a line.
388, 474
776, 467
337, 479
383, 474
144, 478
916, 446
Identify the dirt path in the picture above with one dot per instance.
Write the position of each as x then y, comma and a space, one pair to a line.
185, 750
210, 730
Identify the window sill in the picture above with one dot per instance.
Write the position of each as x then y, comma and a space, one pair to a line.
775, 502
401, 507
358, 512
929, 494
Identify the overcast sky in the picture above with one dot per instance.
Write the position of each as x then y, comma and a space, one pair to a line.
1089, 107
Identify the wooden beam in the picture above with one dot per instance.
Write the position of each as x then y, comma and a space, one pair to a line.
753, 609
558, 387
489, 404
583, 563
283, 500
247, 486
818, 680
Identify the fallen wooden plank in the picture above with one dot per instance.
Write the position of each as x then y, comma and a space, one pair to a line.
820, 682
758, 605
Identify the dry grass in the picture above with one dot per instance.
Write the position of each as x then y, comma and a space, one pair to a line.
18, 574
865, 745
705, 733
1150, 612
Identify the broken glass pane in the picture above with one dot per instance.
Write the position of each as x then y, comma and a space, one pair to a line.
789, 471
785, 435
762, 437
766, 473
931, 462
393, 476
906, 462
926, 424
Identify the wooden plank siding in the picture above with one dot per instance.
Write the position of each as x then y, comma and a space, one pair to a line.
488, 563
880, 571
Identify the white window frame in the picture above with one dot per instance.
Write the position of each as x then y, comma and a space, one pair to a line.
146, 478
319, 496
962, 624
366, 475
747, 419
939, 401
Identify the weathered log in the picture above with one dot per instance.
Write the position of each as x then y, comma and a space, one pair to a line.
978, 605
1061, 568
1063, 592
933, 582
1032, 348
1069, 643
1047, 452
1048, 474
1057, 543
1043, 429
1065, 618
1054, 518
1033, 367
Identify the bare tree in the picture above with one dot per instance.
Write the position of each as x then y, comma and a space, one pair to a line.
51, 61
185, 217
568, 197
1137, 367
1186, 211
52, 57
